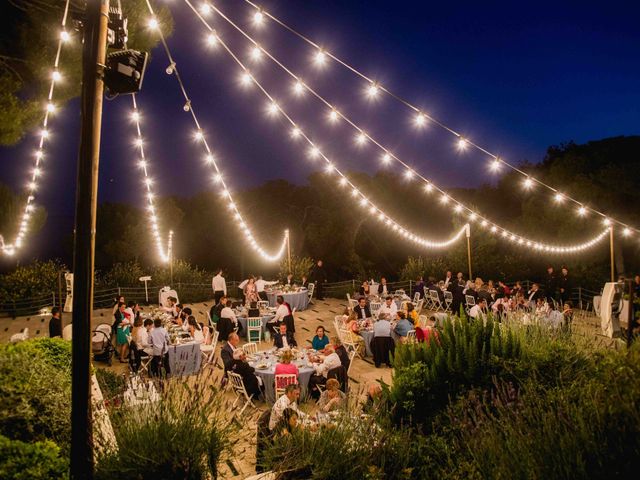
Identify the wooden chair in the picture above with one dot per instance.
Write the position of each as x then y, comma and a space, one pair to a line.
250, 348
254, 326
448, 300
281, 382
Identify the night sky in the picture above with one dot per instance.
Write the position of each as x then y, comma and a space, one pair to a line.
514, 77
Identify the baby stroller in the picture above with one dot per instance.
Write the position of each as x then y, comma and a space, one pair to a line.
101, 345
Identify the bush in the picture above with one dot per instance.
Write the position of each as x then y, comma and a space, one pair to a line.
18, 288
111, 384
122, 275
36, 391
413, 269
24, 461
300, 266
181, 436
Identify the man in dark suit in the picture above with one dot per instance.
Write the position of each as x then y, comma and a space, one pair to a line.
319, 276
226, 352
564, 286
383, 288
246, 371
284, 338
550, 284
534, 294
55, 324
362, 309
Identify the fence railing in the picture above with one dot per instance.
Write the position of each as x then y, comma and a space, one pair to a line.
104, 296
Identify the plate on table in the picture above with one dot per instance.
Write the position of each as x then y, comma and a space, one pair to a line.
262, 366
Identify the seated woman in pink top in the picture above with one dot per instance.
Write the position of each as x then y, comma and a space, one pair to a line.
285, 367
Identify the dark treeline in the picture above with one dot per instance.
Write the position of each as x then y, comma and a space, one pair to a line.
325, 222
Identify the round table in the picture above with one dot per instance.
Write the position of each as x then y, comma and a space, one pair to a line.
268, 377
298, 300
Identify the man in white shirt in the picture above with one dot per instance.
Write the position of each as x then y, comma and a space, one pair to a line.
382, 328
288, 400
388, 310
479, 310
281, 312
260, 284
331, 361
219, 286
447, 279
227, 312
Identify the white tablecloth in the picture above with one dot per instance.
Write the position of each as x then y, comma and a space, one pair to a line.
268, 377
297, 300
184, 359
165, 293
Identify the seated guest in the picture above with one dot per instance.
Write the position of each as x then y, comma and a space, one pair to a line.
389, 309
429, 332
287, 424
412, 314
517, 289
195, 330
159, 340
503, 289
479, 310
141, 336
542, 307
383, 288
216, 309
382, 328
419, 288
341, 351
170, 305
364, 289
285, 367
254, 311
501, 305
281, 311
289, 280
470, 289
362, 310
247, 372
284, 338
288, 400
228, 321
183, 318
304, 283
320, 340
332, 398
331, 361
55, 324
534, 294
226, 352
351, 323
403, 326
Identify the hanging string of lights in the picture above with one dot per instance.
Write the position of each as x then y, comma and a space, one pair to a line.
49, 109
362, 137
321, 58
143, 164
315, 153
210, 158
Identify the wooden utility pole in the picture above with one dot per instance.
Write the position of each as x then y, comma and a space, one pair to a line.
286, 232
93, 59
613, 264
468, 233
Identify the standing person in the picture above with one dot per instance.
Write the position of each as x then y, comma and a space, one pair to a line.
121, 329
550, 284
55, 324
250, 291
219, 286
565, 285
260, 284
159, 340
319, 276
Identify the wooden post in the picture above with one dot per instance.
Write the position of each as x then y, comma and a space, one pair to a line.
286, 232
468, 233
613, 265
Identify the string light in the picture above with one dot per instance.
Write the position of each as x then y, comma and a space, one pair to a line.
225, 190
148, 182
359, 139
373, 90
462, 144
152, 23
333, 116
418, 120
528, 183
258, 18
320, 58
298, 88
36, 172
212, 39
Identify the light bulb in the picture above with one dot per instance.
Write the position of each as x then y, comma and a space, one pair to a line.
373, 90
457, 208
187, 106
428, 187
152, 24
272, 109
142, 164
296, 132
363, 202
329, 168
56, 76
333, 116
199, 135
558, 197
361, 138
495, 165
462, 144
138, 142
39, 154
314, 152
44, 133
205, 8
64, 36
256, 53
212, 39
258, 18
171, 68
135, 116
528, 183
217, 178
606, 222
245, 79
343, 181
420, 119
298, 88
408, 174
444, 199
626, 232
320, 58
386, 158
51, 107
36, 172
582, 211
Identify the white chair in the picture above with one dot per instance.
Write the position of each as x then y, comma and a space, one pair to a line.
419, 305
422, 321
435, 300
448, 300
470, 301
399, 292
375, 308
349, 341
208, 348
281, 382
20, 337
262, 304
254, 326
428, 304
237, 385
416, 297
352, 357
209, 320
310, 289
352, 302
67, 332
411, 336
404, 304
250, 348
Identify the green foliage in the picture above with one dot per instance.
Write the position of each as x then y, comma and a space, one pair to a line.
35, 280
111, 384
122, 275
31, 461
36, 391
299, 266
169, 440
414, 268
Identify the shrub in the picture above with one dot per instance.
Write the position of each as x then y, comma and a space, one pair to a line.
299, 266
413, 269
123, 275
25, 461
183, 435
111, 384
36, 391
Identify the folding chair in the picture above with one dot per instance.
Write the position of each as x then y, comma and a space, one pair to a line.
346, 337
208, 348
428, 303
416, 297
310, 289
254, 326
375, 308
435, 300
237, 385
422, 321
281, 382
399, 292
263, 304
209, 320
352, 357
250, 348
448, 300
419, 305
470, 301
